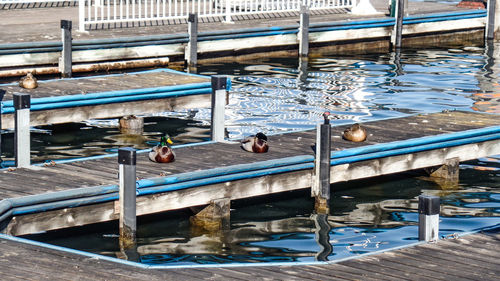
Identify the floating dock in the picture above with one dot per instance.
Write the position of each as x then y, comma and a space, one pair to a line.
109, 96
72, 193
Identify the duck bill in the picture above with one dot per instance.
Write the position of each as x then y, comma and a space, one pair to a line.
169, 141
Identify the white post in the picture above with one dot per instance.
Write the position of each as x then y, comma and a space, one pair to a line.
66, 59
127, 197
219, 83
428, 218
22, 104
228, 11
320, 188
81, 15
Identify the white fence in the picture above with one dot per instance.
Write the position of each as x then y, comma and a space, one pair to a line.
126, 11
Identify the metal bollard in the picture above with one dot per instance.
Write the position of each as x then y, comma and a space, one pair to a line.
490, 25
321, 182
304, 31
127, 197
66, 59
219, 83
190, 55
22, 145
428, 218
2, 94
397, 35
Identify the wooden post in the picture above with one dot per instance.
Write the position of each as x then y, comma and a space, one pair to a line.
428, 218
219, 83
321, 181
304, 31
66, 59
397, 33
214, 217
190, 55
127, 197
22, 104
446, 175
322, 236
489, 33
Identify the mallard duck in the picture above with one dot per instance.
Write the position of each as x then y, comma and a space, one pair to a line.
257, 143
28, 81
355, 133
162, 153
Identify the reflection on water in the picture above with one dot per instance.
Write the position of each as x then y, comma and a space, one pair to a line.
276, 95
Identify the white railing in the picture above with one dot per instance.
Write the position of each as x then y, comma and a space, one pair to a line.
123, 11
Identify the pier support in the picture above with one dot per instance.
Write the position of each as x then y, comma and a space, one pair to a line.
127, 197
492, 20
219, 98
397, 33
2, 94
214, 217
22, 142
428, 218
66, 59
446, 175
303, 34
322, 236
131, 125
191, 52
320, 189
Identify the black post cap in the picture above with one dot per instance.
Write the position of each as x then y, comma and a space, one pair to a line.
428, 205
66, 24
219, 82
192, 17
21, 101
127, 156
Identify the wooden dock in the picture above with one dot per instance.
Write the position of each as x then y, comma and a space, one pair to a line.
470, 257
109, 96
203, 173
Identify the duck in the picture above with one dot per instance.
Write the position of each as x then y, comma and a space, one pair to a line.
256, 144
162, 153
28, 81
355, 133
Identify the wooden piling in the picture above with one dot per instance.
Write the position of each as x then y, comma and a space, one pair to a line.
191, 53
321, 182
428, 218
303, 34
22, 145
446, 175
397, 33
218, 106
66, 59
127, 197
214, 217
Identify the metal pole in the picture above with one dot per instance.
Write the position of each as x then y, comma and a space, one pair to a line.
2, 93
127, 197
490, 25
304, 31
321, 182
428, 218
81, 15
218, 105
22, 104
190, 54
66, 59
398, 26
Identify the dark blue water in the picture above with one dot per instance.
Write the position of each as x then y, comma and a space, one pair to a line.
276, 95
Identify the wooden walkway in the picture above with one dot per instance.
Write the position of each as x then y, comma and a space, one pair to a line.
72, 92
471, 257
103, 171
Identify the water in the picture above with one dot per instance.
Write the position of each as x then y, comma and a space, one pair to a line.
277, 95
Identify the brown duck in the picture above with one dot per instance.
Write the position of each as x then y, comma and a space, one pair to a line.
355, 133
162, 153
257, 143
28, 81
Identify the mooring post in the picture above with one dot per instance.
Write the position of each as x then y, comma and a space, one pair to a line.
304, 31
127, 197
446, 175
491, 23
190, 55
428, 218
22, 104
219, 83
397, 33
66, 59
321, 181
214, 217
2, 93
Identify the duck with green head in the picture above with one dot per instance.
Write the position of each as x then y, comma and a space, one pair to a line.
162, 153
256, 144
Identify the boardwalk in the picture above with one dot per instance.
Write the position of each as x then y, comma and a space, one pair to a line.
196, 178
471, 257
